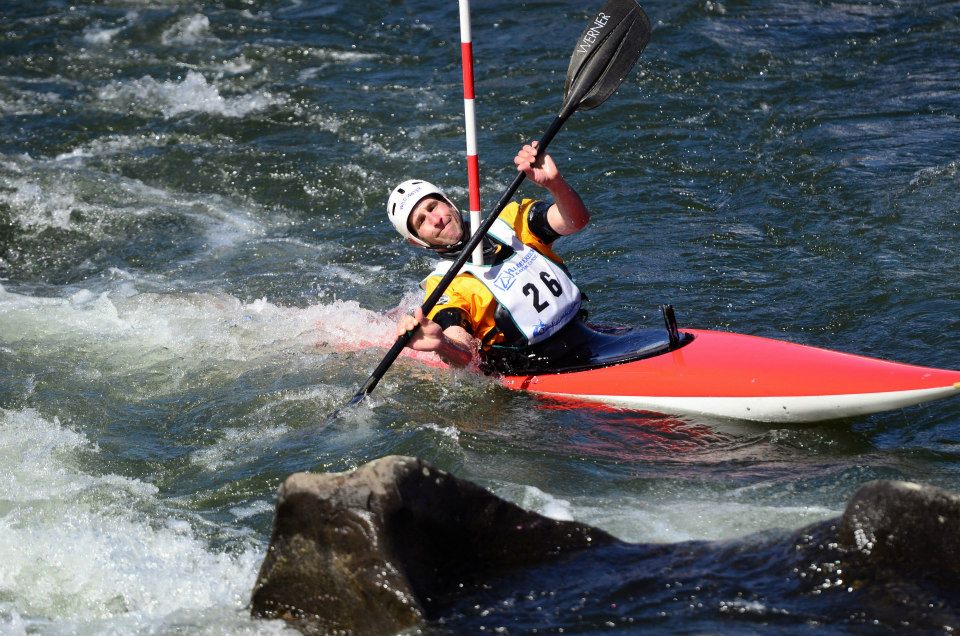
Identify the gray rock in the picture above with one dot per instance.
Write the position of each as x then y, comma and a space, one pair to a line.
379, 549
893, 528
397, 542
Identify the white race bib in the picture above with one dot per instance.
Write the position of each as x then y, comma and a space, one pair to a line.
537, 293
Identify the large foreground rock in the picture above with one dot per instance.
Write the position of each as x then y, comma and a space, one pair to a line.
397, 542
376, 550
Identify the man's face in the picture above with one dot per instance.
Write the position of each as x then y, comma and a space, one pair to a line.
436, 222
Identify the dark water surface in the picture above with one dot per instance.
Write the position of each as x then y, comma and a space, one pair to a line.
195, 268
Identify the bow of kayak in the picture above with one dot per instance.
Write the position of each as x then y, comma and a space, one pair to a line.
751, 378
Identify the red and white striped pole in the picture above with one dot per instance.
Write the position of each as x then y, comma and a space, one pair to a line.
473, 162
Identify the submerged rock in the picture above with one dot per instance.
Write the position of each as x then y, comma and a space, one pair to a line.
377, 550
398, 542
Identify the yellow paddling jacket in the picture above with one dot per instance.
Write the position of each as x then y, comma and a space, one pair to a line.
469, 303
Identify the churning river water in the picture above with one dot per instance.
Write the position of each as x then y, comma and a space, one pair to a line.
196, 268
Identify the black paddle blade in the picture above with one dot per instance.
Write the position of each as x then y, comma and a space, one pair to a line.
356, 399
607, 50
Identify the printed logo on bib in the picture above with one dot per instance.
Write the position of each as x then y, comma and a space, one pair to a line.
539, 329
543, 328
508, 275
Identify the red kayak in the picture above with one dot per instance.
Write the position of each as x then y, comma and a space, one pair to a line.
726, 375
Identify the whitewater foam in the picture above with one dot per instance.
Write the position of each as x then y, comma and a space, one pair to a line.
94, 35
546, 504
450, 432
88, 549
108, 145
235, 66
15, 100
332, 57
37, 206
187, 31
191, 94
252, 510
99, 35
64, 194
935, 175
237, 444
691, 519
685, 516
121, 331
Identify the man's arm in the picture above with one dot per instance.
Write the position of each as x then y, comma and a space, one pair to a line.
568, 214
454, 345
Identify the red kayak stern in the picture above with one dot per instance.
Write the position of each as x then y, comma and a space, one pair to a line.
753, 378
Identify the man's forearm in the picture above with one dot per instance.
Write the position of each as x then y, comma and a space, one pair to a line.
456, 352
571, 213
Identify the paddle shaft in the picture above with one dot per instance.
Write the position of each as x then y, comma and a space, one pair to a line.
465, 254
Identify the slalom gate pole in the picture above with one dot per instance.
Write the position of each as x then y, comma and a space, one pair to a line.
473, 162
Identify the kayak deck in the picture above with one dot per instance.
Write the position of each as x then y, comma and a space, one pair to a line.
746, 377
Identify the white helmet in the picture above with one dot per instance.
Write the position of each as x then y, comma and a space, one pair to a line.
404, 199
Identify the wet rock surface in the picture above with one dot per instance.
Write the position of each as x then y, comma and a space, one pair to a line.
381, 548
398, 543
896, 526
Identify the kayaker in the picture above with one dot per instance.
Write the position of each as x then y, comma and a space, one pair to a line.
522, 295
